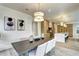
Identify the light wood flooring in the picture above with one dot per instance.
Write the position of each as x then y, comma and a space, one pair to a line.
70, 48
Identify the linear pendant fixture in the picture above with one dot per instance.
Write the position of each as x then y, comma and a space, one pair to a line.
63, 24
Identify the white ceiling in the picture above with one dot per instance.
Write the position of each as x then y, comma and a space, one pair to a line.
66, 12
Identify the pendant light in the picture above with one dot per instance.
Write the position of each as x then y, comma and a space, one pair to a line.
65, 25
61, 24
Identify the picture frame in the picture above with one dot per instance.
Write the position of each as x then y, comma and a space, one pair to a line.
77, 30
20, 25
9, 23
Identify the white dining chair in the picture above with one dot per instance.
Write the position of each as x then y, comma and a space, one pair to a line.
50, 45
41, 49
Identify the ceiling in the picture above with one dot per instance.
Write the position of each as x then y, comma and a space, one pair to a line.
56, 12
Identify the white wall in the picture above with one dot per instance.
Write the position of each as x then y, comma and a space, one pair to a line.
75, 34
13, 36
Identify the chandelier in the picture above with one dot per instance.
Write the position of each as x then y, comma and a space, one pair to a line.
38, 16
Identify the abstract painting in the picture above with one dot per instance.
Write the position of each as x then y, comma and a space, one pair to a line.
9, 23
20, 25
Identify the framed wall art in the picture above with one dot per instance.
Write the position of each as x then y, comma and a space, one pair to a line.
77, 30
9, 23
20, 25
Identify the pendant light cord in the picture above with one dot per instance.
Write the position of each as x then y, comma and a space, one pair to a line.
38, 6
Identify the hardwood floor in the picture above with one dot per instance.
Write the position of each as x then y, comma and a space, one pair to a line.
70, 48
70, 44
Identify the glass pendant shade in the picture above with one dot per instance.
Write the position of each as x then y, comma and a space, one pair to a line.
65, 25
62, 24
